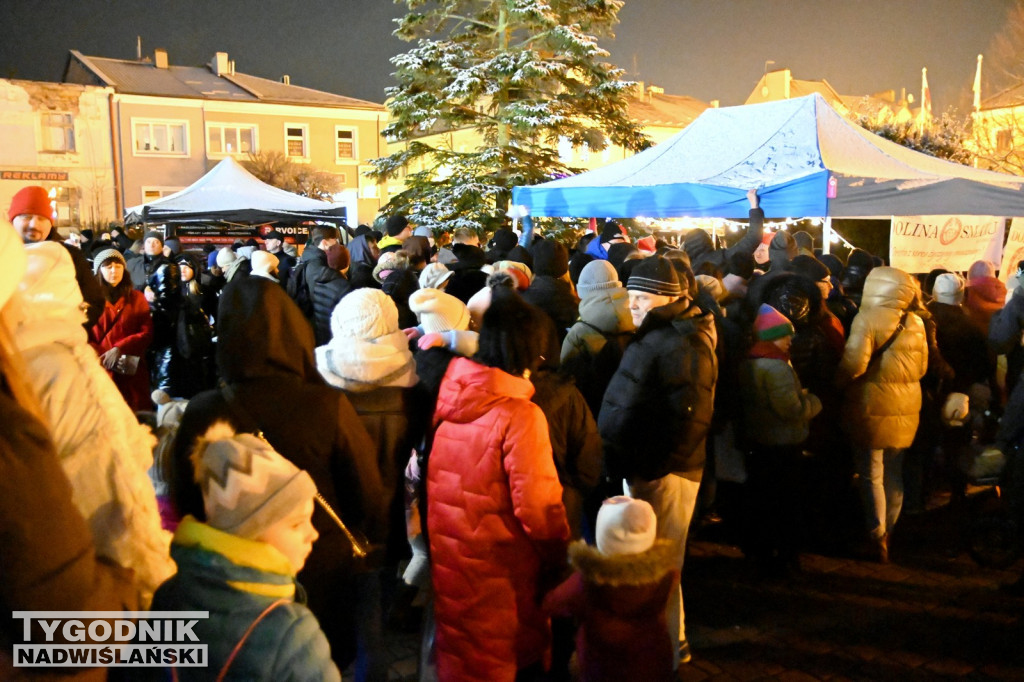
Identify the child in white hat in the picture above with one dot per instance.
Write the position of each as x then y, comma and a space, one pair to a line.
620, 593
241, 564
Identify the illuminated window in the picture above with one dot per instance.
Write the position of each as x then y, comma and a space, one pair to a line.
344, 144
159, 138
67, 204
296, 140
58, 133
223, 139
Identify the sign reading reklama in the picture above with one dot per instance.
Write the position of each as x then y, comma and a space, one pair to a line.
925, 242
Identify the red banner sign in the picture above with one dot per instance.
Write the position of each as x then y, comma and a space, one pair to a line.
55, 176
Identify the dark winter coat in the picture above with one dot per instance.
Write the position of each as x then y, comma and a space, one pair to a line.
395, 419
285, 263
327, 291
265, 357
701, 249
962, 345
92, 292
620, 603
557, 299
575, 442
495, 519
126, 324
657, 409
142, 267
315, 260
235, 580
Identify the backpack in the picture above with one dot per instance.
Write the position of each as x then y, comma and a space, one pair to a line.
299, 290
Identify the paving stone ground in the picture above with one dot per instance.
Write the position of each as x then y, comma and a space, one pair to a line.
933, 613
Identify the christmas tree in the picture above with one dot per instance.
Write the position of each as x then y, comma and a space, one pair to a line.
520, 74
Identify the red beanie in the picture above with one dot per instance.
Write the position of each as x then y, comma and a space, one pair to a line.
771, 324
32, 200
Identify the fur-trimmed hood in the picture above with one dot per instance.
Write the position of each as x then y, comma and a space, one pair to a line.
624, 569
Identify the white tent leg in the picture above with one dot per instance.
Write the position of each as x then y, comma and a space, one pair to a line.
826, 235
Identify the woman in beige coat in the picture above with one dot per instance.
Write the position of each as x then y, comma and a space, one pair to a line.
883, 393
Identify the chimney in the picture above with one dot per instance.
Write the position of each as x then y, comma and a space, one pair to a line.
231, 67
715, 104
160, 58
286, 79
219, 64
776, 84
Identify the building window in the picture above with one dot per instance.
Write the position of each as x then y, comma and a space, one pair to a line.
296, 140
152, 193
58, 133
1004, 140
67, 204
344, 144
160, 138
224, 139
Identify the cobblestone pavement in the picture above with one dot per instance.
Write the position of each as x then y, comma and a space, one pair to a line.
932, 613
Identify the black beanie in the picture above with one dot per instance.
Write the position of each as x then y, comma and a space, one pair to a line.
655, 275
612, 230
395, 224
550, 258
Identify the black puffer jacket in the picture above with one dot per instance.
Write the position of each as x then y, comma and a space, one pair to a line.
657, 410
327, 291
265, 356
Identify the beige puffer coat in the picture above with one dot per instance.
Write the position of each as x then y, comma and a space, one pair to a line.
882, 403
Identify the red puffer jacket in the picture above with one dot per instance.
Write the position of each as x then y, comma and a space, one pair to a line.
496, 520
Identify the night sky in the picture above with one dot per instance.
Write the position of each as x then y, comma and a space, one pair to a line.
709, 49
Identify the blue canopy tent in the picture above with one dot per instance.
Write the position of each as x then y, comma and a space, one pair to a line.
789, 150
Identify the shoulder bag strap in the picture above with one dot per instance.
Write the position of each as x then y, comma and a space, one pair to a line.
892, 338
252, 626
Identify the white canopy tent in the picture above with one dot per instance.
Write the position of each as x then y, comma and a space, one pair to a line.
231, 194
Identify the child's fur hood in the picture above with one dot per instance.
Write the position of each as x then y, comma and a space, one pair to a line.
624, 569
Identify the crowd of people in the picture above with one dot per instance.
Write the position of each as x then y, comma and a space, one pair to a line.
515, 435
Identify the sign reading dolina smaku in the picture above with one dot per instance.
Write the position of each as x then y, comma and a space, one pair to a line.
1013, 251
923, 243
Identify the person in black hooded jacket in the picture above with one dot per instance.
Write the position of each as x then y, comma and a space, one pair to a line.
272, 386
701, 249
551, 290
330, 288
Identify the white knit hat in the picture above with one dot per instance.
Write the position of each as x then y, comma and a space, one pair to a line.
597, 275
246, 485
438, 311
625, 526
264, 264
364, 314
948, 288
434, 275
225, 257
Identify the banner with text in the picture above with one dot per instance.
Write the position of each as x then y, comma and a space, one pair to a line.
1013, 252
925, 242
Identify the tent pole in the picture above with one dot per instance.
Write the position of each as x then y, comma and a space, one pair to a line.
826, 235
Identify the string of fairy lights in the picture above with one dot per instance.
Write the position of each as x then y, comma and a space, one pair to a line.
719, 226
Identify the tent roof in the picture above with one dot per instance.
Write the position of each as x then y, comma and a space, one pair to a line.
229, 193
788, 150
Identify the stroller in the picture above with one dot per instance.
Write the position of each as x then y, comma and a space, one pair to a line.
992, 524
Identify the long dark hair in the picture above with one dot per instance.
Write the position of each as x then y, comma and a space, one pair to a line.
511, 337
114, 294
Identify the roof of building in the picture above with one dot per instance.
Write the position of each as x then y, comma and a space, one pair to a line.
143, 77
657, 108
1010, 97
